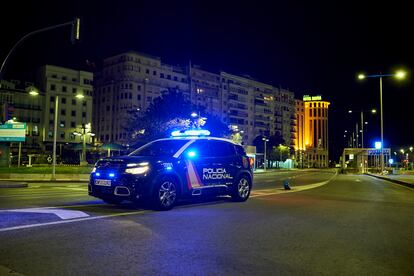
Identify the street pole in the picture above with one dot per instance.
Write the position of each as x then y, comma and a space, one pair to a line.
357, 135
264, 166
84, 146
382, 129
54, 138
362, 128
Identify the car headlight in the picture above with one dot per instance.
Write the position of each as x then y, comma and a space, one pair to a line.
137, 170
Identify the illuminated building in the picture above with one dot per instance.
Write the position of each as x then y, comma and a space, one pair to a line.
131, 80
311, 141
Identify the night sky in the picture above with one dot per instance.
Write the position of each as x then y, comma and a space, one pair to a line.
308, 47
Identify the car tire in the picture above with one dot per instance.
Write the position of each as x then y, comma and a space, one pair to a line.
165, 194
241, 189
110, 200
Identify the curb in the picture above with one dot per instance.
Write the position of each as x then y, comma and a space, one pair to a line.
13, 185
406, 184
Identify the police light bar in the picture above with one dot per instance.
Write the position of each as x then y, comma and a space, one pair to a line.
192, 132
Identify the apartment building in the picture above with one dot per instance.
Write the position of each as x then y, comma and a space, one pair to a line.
20, 103
73, 90
131, 80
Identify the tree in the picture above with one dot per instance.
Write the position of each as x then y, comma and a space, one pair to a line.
169, 112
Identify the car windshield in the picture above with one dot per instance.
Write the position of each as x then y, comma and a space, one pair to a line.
159, 148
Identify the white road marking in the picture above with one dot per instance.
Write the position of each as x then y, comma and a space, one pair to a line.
63, 214
69, 221
293, 189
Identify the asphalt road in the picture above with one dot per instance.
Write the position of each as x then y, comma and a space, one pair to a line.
327, 224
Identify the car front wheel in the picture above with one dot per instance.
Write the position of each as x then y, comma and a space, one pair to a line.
165, 194
241, 189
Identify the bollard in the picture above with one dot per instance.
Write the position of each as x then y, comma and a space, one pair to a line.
286, 184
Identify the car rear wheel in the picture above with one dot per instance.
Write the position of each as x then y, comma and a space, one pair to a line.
165, 194
241, 189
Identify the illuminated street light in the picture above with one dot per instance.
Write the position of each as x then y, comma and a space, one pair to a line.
80, 96
373, 111
399, 75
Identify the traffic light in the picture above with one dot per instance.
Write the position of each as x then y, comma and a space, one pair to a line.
75, 34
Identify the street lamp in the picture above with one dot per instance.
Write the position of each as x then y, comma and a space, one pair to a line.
373, 111
398, 75
78, 96
264, 156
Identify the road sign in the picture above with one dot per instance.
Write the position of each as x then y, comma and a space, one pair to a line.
13, 132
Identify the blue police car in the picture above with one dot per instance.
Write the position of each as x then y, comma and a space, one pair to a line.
166, 170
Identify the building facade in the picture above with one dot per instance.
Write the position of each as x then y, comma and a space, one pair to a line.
311, 141
74, 91
131, 80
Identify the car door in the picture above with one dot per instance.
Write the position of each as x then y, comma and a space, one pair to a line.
197, 158
223, 163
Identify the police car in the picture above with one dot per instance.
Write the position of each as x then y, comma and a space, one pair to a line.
189, 164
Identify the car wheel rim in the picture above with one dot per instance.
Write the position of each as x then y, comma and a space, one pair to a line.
167, 194
243, 188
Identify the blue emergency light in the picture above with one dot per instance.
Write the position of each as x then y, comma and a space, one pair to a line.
190, 132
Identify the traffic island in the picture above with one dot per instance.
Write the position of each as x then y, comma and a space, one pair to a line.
396, 181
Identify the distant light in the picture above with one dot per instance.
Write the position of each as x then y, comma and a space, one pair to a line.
80, 96
194, 115
191, 153
349, 111
402, 151
168, 168
378, 145
361, 76
33, 93
111, 175
391, 161
400, 75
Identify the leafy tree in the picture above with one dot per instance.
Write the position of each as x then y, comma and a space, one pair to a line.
171, 111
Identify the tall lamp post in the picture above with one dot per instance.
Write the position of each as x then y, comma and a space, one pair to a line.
55, 125
398, 75
373, 111
264, 156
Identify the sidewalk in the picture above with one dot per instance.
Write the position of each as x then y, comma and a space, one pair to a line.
402, 179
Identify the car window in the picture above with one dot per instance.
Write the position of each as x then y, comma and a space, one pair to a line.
159, 148
201, 148
221, 148
240, 150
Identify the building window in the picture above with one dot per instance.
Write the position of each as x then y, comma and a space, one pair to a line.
154, 73
53, 87
73, 102
62, 124
138, 97
51, 111
162, 75
74, 90
63, 100
139, 87
83, 114
64, 89
84, 103
147, 71
62, 135
73, 113
52, 98
72, 124
63, 112
50, 134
